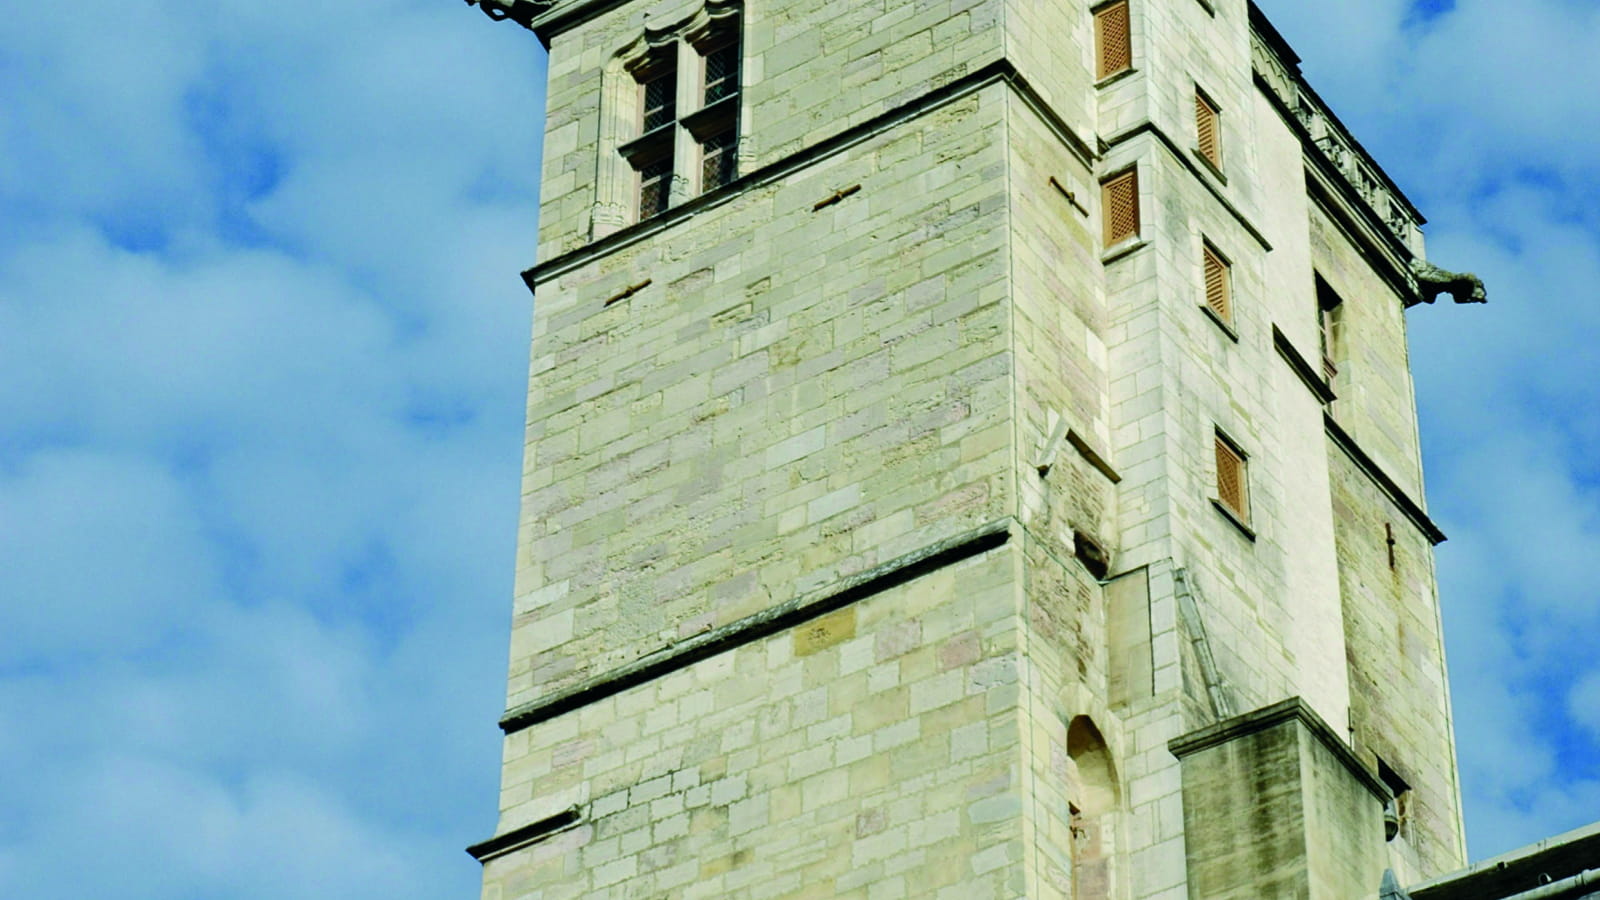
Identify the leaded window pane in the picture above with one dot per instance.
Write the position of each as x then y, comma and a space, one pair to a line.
659, 101
719, 156
722, 73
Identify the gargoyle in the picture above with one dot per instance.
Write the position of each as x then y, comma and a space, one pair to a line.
1432, 281
518, 11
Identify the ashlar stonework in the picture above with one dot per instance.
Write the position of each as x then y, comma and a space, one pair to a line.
874, 540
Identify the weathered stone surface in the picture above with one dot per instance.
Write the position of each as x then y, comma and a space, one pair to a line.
860, 352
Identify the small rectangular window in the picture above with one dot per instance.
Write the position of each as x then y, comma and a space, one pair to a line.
659, 94
1330, 323
717, 159
722, 73
1232, 490
1208, 130
1218, 289
1113, 40
655, 181
1120, 207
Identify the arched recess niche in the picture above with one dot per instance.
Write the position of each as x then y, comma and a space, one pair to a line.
1094, 800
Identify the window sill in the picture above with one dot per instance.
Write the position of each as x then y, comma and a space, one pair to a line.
1232, 517
1226, 328
712, 118
1208, 165
656, 142
1119, 251
1115, 77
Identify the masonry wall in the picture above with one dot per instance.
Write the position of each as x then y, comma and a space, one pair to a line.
1376, 403
809, 73
798, 396
870, 753
1271, 610
1399, 700
762, 400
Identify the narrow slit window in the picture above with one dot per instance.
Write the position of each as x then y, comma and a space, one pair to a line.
1120, 207
1219, 298
1232, 491
1208, 130
1113, 40
1330, 324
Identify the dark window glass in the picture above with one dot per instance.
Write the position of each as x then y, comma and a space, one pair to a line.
722, 73
659, 101
718, 160
654, 179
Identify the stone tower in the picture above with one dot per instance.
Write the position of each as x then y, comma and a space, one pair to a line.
971, 453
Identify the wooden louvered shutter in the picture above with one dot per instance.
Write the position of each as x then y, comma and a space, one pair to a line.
1113, 40
1217, 285
1120, 207
1230, 478
1205, 119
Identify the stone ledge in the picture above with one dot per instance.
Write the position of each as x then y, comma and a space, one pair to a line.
1389, 486
1308, 376
763, 624
517, 838
1272, 716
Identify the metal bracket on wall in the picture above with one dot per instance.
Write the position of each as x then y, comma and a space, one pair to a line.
1071, 197
628, 291
835, 197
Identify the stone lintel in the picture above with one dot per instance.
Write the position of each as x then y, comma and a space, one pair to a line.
1294, 708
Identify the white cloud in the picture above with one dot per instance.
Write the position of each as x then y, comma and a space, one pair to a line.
1583, 702
262, 362
261, 375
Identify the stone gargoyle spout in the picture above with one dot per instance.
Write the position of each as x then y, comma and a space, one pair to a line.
1463, 287
519, 11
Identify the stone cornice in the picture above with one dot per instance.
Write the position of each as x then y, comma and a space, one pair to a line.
1328, 141
766, 623
1292, 709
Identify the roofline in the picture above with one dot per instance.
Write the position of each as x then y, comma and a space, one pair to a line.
1274, 40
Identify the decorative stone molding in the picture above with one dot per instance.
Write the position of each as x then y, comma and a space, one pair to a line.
1278, 69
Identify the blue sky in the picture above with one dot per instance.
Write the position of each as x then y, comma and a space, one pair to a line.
262, 365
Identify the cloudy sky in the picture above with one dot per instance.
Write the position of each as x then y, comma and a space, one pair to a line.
262, 362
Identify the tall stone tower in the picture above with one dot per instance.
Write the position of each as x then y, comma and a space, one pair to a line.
971, 453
